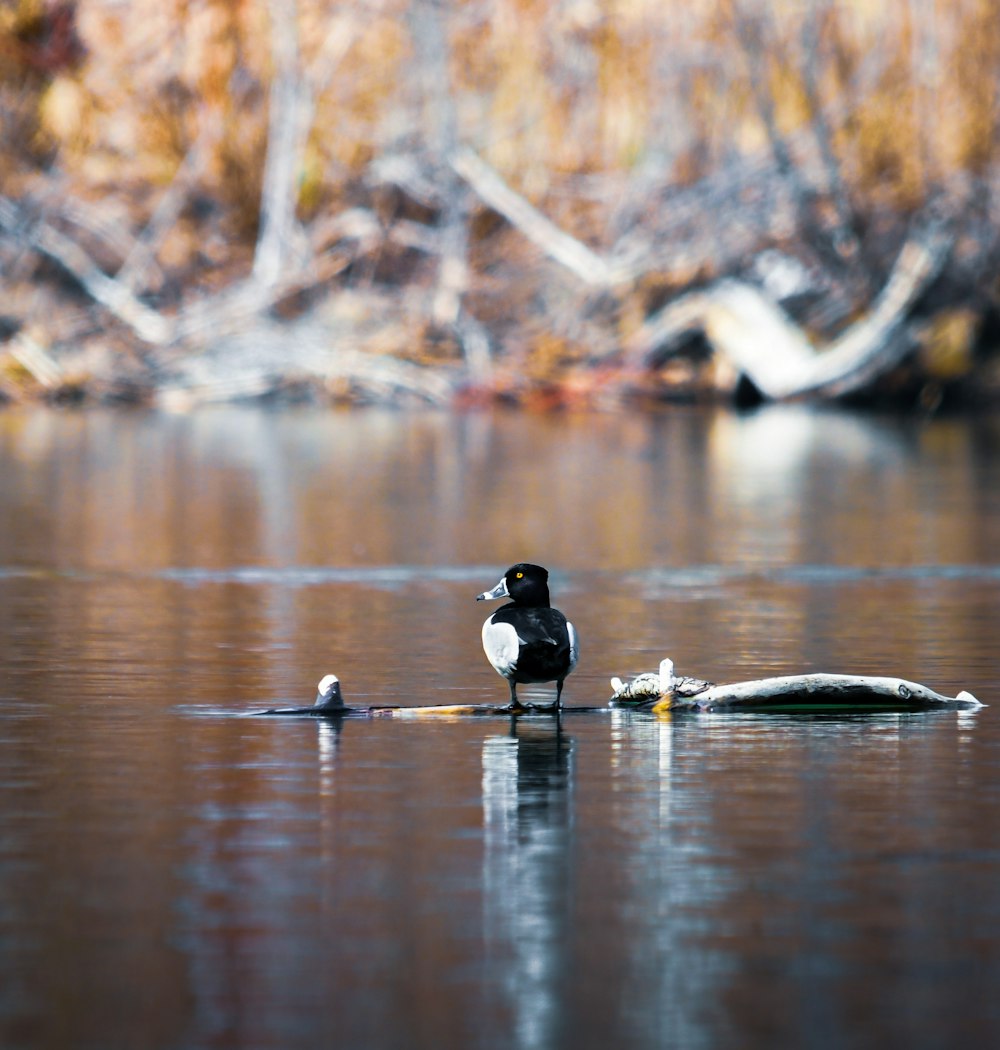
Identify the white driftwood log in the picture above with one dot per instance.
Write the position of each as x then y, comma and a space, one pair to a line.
664, 691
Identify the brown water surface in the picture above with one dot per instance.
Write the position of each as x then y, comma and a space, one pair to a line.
176, 875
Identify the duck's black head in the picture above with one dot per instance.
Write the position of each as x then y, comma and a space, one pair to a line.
524, 583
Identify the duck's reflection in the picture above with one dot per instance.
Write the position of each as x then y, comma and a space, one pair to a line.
328, 746
527, 815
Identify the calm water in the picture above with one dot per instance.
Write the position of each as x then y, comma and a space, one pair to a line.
176, 875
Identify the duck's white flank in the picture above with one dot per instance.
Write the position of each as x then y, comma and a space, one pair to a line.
501, 644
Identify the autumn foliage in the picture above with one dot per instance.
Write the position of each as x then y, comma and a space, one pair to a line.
186, 146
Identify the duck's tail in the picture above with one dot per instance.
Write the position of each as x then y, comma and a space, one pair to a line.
329, 697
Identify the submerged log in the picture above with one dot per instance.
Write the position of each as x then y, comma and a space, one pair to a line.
330, 704
663, 691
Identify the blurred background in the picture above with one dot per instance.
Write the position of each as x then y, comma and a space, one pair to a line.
492, 198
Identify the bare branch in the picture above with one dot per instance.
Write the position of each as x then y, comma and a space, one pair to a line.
847, 240
251, 361
141, 258
448, 301
114, 296
35, 360
541, 231
291, 109
842, 245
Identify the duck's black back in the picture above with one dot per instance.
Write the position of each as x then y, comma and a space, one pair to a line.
545, 650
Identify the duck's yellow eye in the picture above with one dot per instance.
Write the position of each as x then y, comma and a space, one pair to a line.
520, 575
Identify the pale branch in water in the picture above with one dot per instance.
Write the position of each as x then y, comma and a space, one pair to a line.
664, 691
842, 689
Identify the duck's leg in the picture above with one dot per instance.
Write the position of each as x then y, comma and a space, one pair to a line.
557, 706
514, 704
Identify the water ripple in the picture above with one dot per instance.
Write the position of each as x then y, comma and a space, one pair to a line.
396, 576
718, 575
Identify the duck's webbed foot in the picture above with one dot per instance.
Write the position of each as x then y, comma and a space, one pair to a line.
553, 708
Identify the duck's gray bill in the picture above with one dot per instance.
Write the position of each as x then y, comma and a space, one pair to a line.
500, 591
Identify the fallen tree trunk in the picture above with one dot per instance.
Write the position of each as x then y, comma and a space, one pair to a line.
766, 345
664, 691
738, 320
